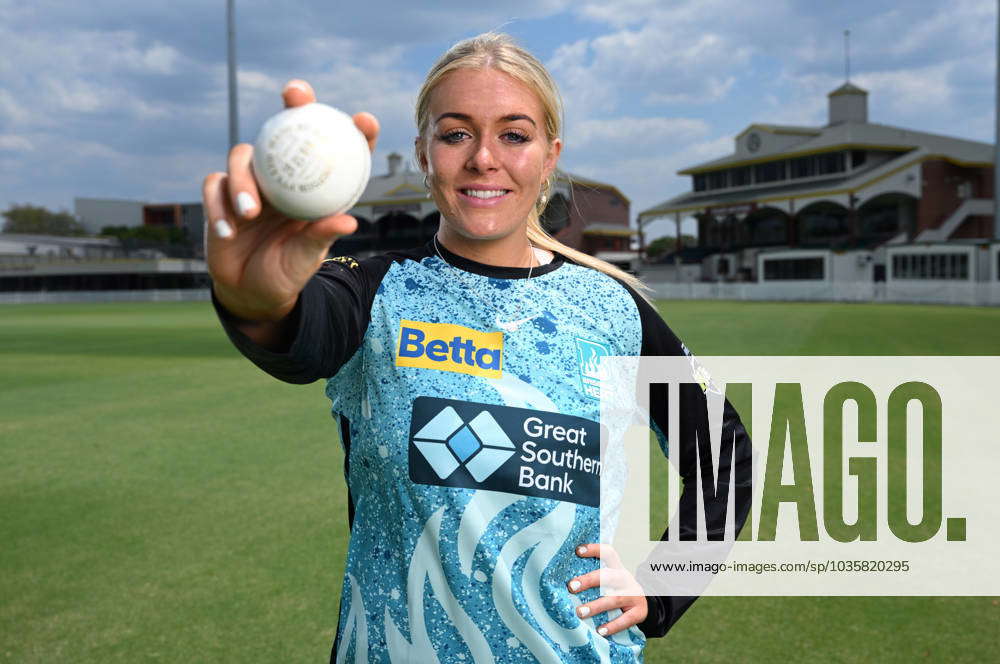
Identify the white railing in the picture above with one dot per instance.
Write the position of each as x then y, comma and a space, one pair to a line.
152, 295
923, 291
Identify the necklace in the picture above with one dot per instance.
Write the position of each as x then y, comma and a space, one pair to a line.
506, 326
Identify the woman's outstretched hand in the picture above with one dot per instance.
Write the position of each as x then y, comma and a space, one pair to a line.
629, 598
259, 259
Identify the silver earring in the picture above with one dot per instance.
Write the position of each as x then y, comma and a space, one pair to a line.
427, 186
543, 199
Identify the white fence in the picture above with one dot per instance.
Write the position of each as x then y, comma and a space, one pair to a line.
153, 295
923, 291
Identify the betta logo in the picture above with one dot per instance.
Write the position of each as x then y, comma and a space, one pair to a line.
448, 347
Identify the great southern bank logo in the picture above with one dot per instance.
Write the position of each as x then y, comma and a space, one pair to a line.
447, 442
464, 444
448, 347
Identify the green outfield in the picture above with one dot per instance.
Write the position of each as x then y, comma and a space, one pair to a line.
165, 501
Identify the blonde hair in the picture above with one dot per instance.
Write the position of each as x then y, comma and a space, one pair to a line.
492, 50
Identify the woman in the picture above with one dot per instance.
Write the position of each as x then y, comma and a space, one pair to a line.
464, 544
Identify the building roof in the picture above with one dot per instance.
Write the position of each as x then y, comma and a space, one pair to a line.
394, 188
563, 176
848, 88
855, 135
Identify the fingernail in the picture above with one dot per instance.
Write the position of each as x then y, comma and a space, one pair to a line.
298, 85
223, 229
574, 585
245, 203
584, 611
603, 631
581, 549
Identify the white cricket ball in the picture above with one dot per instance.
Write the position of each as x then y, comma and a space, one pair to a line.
311, 161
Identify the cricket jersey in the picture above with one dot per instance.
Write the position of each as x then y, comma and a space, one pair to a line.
467, 399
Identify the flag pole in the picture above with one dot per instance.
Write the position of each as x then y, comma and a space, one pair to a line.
234, 120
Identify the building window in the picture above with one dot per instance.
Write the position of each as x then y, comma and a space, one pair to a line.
740, 177
823, 223
803, 167
764, 230
831, 162
787, 269
700, 183
930, 266
718, 179
858, 158
771, 171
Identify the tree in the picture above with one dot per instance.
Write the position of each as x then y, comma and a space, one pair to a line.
665, 244
38, 220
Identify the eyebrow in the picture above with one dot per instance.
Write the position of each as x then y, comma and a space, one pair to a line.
467, 118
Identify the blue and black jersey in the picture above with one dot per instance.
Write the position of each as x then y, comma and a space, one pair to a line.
467, 399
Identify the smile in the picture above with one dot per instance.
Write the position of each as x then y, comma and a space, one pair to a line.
485, 194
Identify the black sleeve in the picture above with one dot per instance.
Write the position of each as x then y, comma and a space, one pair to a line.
328, 322
659, 340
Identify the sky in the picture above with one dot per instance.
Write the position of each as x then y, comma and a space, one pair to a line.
126, 99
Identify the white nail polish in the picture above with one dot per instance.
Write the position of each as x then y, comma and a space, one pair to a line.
223, 229
245, 203
603, 631
574, 585
581, 549
297, 86
584, 611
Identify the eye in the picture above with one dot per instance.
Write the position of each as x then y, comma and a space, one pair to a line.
515, 136
453, 136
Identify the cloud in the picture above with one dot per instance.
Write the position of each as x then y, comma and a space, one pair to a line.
12, 143
627, 134
127, 99
658, 62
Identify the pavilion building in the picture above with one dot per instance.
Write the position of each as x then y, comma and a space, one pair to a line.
851, 201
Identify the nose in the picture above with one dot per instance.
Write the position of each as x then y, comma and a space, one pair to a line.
481, 160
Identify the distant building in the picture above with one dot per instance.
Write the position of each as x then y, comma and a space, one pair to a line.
39, 263
394, 212
593, 217
45, 263
849, 201
57, 246
96, 213
189, 216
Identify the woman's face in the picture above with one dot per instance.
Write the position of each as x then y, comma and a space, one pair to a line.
487, 153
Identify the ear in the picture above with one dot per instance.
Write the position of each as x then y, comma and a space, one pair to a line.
552, 159
421, 154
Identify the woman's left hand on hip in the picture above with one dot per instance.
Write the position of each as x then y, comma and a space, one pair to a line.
628, 593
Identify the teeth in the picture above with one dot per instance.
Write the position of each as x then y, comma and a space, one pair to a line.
484, 193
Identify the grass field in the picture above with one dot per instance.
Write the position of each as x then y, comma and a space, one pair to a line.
164, 500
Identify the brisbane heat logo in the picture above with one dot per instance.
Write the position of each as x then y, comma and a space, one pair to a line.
448, 347
589, 354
